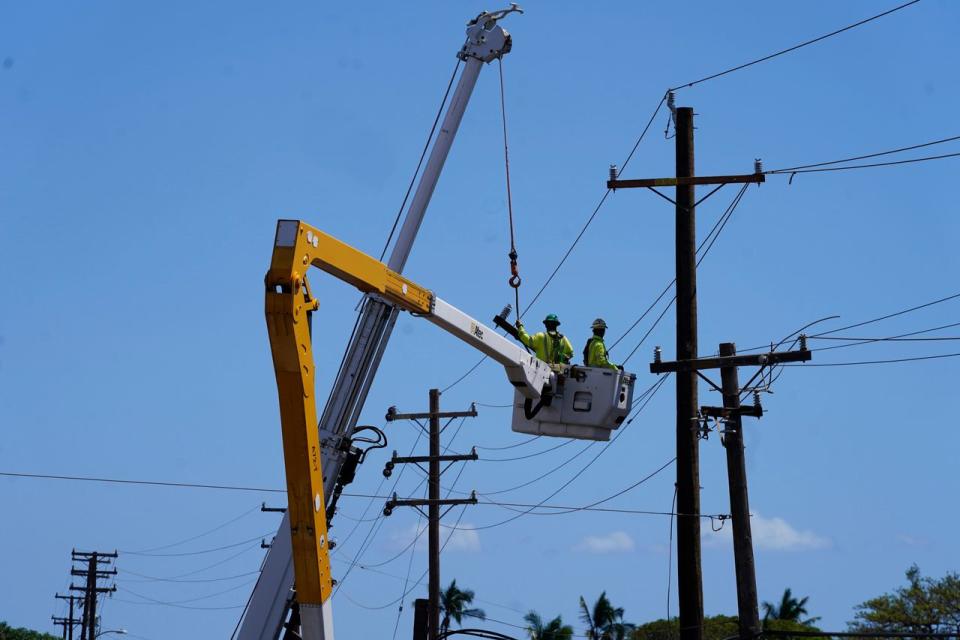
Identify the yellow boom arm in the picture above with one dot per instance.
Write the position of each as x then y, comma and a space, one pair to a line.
297, 246
289, 302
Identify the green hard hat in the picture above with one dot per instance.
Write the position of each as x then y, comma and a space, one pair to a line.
551, 317
598, 324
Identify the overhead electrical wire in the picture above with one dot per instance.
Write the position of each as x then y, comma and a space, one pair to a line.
154, 601
871, 165
200, 535
795, 47
189, 600
148, 578
196, 553
868, 362
418, 582
861, 157
155, 483
887, 316
903, 337
207, 567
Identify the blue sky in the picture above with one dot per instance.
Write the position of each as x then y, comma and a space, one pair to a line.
149, 150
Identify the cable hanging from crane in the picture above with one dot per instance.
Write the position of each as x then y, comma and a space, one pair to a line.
515, 279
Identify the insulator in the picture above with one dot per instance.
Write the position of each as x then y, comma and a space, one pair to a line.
803, 342
613, 172
757, 165
657, 354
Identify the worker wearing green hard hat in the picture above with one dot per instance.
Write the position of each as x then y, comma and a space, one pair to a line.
551, 346
595, 352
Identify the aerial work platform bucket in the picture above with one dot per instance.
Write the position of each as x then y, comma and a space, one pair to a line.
588, 404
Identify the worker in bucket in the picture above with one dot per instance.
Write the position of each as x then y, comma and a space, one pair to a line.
595, 352
551, 346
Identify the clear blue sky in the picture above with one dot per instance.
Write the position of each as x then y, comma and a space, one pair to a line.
149, 149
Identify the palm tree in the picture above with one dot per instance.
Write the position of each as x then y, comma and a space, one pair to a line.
553, 630
789, 609
604, 621
453, 604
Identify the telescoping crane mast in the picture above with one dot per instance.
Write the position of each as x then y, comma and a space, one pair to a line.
601, 397
272, 595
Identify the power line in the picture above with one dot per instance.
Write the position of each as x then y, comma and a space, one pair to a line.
888, 316
200, 535
866, 362
196, 553
531, 455
795, 47
190, 600
863, 157
903, 337
155, 483
509, 446
148, 578
872, 164
208, 567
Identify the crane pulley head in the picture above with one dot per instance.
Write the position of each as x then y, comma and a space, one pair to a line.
486, 40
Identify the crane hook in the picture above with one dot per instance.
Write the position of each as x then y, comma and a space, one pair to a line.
514, 280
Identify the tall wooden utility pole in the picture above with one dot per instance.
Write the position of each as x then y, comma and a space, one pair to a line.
433, 501
689, 579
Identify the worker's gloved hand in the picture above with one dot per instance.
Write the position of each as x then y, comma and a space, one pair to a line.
620, 366
518, 324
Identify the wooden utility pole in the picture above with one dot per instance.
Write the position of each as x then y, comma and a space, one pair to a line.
434, 514
689, 579
747, 609
69, 622
93, 573
433, 501
731, 412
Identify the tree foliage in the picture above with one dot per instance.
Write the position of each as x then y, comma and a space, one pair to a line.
604, 621
20, 633
925, 605
552, 630
454, 603
714, 628
789, 609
